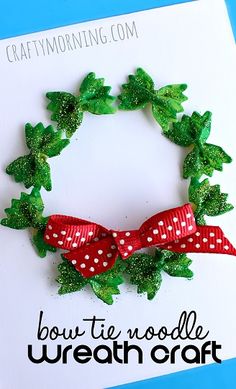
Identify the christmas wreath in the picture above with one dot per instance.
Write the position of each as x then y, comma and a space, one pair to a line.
95, 255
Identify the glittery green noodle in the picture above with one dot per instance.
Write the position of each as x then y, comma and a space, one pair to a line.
190, 130
175, 264
145, 270
26, 212
208, 200
166, 102
33, 169
68, 110
95, 96
204, 160
104, 285
145, 273
204, 157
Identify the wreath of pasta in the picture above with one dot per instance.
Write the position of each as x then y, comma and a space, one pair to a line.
94, 254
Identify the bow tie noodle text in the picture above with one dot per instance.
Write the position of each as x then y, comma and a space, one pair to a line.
97, 256
120, 351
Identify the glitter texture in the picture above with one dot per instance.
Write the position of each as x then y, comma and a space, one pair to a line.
33, 169
204, 158
26, 212
145, 270
103, 285
166, 102
67, 109
208, 200
190, 129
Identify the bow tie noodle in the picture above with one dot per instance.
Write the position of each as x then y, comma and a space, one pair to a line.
173, 232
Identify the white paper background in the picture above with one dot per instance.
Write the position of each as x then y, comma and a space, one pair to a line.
117, 171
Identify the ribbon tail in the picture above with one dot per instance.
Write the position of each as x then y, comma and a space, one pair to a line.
206, 239
94, 259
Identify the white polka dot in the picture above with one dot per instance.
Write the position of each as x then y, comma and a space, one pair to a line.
127, 233
96, 239
55, 236
47, 237
188, 215
183, 224
77, 234
96, 260
175, 219
212, 234
125, 254
219, 240
197, 245
104, 234
74, 244
63, 232
149, 239
82, 265
178, 232
69, 238
205, 240
176, 241
113, 247
169, 247
83, 239
60, 242
86, 256
190, 240
163, 236
183, 246
109, 255
100, 252
122, 241
130, 248
226, 247
197, 233
190, 228
169, 228
74, 262
212, 246
50, 227
105, 264
114, 234
160, 223
90, 233
155, 232
92, 269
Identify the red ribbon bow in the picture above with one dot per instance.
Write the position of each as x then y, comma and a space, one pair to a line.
93, 249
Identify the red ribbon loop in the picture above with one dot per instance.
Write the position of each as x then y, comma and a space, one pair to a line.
93, 249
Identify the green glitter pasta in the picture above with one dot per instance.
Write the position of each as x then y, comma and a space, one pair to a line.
166, 102
68, 110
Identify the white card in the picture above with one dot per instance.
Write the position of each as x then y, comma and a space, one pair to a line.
117, 171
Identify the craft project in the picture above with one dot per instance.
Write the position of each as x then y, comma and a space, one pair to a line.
93, 254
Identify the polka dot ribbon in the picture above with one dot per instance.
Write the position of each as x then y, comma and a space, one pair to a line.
93, 249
